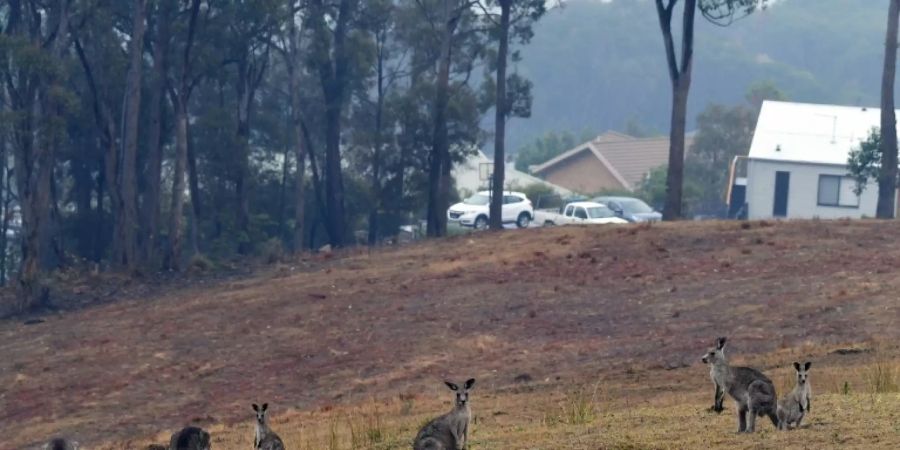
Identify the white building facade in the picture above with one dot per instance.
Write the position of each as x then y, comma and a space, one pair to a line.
797, 164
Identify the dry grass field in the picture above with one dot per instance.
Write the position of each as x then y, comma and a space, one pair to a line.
580, 338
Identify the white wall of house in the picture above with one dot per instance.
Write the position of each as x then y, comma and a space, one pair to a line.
804, 199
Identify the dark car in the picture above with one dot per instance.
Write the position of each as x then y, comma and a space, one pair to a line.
630, 208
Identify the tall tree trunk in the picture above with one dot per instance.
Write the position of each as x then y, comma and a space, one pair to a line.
282, 193
82, 190
242, 212
34, 164
334, 183
5, 195
293, 60
181, 99
314, 171
496, 209
438, 186
887, 178
112, 164
150, 211
680, 76
299, 197
126, 255
333, 63
250, 74
377, 189
99, 244
300, 157
672, 209
173, 253
196, 211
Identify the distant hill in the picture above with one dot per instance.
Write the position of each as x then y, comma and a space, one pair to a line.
598, 65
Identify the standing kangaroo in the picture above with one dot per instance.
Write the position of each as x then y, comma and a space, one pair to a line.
190, 438
450, 431
794, 406
265, 439
752, 391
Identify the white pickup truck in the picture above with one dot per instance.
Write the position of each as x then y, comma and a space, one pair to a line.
575, 213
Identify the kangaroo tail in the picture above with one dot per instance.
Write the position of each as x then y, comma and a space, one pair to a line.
774, 418
428, 443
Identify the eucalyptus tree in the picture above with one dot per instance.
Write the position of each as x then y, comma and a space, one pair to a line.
720, 12
513, 95
35, 38
887, 177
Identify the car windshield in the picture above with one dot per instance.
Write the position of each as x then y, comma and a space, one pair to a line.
600, 212
635, 206
477, 199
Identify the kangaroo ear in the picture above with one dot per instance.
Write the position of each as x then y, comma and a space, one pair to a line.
807, 365
469, 383
720, 344
452, 386
255, 408
796, 366
265, 406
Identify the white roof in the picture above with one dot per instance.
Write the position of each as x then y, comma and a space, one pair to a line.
804, 132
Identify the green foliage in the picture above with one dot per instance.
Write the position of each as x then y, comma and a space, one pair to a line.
760, 91
864, 161
653, 190
723, 132
535, 191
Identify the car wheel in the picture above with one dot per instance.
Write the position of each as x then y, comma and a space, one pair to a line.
481, 223
524, 220
549, 224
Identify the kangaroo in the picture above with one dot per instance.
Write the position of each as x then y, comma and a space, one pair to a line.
793, 407
753, 392
60, 444
190, 438
265, 438
450, 431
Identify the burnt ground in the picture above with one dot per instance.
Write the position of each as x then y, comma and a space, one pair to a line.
560, 303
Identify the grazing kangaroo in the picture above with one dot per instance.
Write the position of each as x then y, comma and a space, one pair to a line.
61, 444
794, 406
265, 438
753, 392
190, 438
450, 431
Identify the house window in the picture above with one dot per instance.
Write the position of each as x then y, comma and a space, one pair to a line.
835, 190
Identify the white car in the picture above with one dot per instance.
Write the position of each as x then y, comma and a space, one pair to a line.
475, 210
579, 213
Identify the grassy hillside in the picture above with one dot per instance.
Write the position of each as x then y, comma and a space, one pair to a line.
580, 338
598, 65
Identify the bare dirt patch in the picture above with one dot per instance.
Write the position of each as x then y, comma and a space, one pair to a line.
624, 304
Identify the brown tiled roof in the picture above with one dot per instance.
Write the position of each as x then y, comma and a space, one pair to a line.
609, 136
628, 158
634, 158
